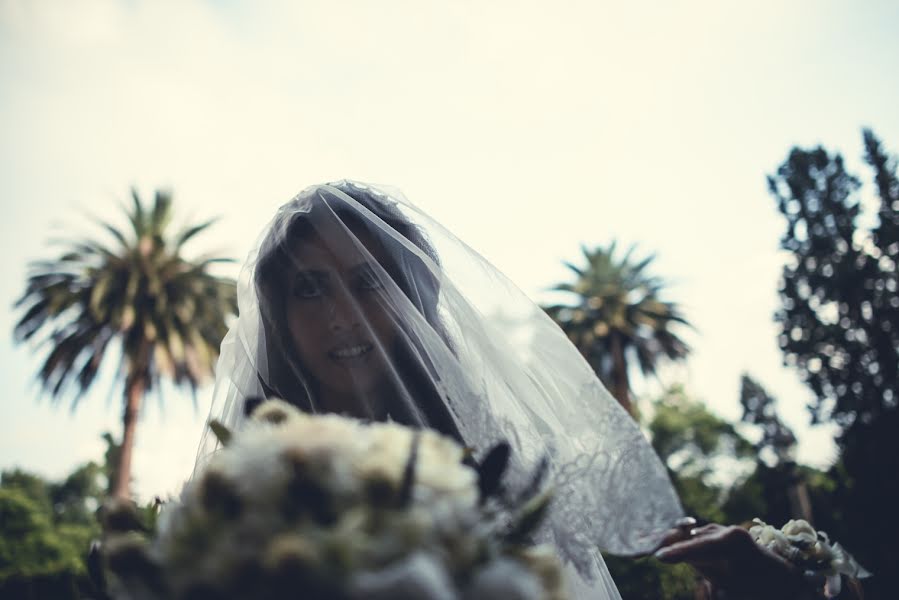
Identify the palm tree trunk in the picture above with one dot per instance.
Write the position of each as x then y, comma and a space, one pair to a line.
622, 388
134, 391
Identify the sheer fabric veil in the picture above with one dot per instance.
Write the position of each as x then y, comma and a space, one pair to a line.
354, 301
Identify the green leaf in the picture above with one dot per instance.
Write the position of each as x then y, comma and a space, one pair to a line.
221, 432
190, 232
492, 469
405, 494
526, 522
118, 235
136, 216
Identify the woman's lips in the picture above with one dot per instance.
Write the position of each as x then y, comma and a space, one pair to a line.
350, 351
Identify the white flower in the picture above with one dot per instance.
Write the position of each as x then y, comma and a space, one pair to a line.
844, 563
799, 527
770, 537
324, 500
799, 530
507, 579
274, 412
420, 577
543, 562
799, 543
832, 586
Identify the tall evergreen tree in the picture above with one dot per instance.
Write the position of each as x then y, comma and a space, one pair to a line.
839, 321
779, 443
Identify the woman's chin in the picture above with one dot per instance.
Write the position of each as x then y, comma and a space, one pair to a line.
357, 385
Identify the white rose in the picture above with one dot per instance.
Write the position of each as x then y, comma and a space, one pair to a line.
799, 530
769, 537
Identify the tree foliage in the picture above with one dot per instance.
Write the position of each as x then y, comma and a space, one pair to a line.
721, 476
839, 321
780, 476
164, 314
45, 532
760, 409
699, 448
617, 318
708, 461
839, 290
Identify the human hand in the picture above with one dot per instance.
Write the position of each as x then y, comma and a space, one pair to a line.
729, 558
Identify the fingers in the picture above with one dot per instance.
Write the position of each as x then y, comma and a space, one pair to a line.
706, 530
731, 560
672, 536
685, 523
708, 545
678, 533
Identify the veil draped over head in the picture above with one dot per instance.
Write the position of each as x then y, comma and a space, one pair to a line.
356, 302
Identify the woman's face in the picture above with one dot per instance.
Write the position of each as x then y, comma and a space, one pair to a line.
337, 315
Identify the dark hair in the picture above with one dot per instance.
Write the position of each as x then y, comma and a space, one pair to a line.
288, 378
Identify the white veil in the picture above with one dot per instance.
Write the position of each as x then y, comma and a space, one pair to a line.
355, 301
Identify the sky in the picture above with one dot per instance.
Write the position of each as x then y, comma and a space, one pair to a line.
527, 128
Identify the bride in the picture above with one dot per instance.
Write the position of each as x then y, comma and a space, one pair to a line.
355, 302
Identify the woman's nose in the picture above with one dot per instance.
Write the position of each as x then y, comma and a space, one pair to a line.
344, 312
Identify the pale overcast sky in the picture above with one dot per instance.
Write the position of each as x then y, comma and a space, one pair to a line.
526, 127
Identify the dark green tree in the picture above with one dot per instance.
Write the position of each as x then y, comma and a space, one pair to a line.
138, 297
45, 532
776, 451
760, 409
617, 319
839, 321
696, 446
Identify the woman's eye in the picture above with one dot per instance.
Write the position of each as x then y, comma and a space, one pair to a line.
369, 281
306, 288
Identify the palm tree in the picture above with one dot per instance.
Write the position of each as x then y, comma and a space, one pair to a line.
616, 316
137, 297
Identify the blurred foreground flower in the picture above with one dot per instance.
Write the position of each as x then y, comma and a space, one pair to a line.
302, 506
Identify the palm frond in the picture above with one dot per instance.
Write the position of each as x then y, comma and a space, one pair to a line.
115, 232
162, 212
188, 233
577, 270
618, 298
136, 215
167, 312
637, 269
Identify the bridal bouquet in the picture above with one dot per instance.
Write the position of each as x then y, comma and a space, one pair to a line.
810, 550
302, 506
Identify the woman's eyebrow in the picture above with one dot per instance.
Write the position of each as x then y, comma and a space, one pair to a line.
363, 267
315, 274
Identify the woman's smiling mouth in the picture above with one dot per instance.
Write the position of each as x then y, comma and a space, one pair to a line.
350, 352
